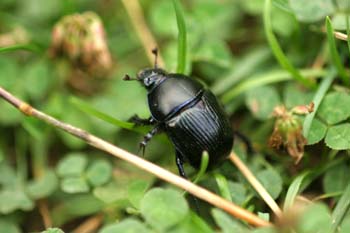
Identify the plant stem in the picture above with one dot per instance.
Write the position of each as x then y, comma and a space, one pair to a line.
163, 174
256, 184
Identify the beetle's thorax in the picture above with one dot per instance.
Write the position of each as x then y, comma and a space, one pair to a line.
171, 95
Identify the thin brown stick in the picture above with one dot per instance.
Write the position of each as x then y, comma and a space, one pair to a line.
256, 184
45, 213
341, 36
98, 143
90, 225
139, 23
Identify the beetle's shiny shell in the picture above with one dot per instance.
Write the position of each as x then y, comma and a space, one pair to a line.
192, 118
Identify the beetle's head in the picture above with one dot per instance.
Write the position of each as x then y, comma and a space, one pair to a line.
151, 77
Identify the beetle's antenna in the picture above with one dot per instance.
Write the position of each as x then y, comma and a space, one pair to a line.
155, 52
128, 78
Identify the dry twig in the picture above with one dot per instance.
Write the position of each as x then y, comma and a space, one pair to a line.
163, 174
256, 184
139, 23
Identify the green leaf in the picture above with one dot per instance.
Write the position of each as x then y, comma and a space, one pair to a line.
74, 117
265, 216
316, 218
293, 191
215, 52
8, 226
182, 40
163, 208
338, 137
345, 226
341, 209
221, 181
167, 26
126, 226
264, 230
110, 193
8, 175
335, 57
336, 179
74, 185
277, 50
283, 5
44, 186
192, 223
272, 181
99, 172
67, 209
136, 191
226, 223
348, 30
317, 132
14, 199
73, 164
284, 23
320, 93
339, 21
53, 230
38, 73
294, 95
261, 101
238, 192
311, 11
332, 108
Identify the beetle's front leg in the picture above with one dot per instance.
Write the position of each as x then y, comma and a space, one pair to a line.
141, 121
147, 138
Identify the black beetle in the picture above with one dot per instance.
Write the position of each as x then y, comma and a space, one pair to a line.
189, 114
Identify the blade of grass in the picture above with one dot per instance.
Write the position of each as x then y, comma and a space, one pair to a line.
267, 78
203, 167
293, 191
334, 53
341, 209
243, 68
182, 37
221, 181
348, 31
27, 47
318, 171
103, 116
322, 90
277, 51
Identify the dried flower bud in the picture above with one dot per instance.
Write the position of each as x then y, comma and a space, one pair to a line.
287, 132
81, 39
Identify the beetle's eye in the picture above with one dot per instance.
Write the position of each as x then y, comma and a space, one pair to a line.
147, 81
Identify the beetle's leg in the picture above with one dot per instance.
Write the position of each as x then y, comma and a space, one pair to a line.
180, 167
141, 121
246, 141
147, 138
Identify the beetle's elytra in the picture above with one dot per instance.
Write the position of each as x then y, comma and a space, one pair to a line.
189, 114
